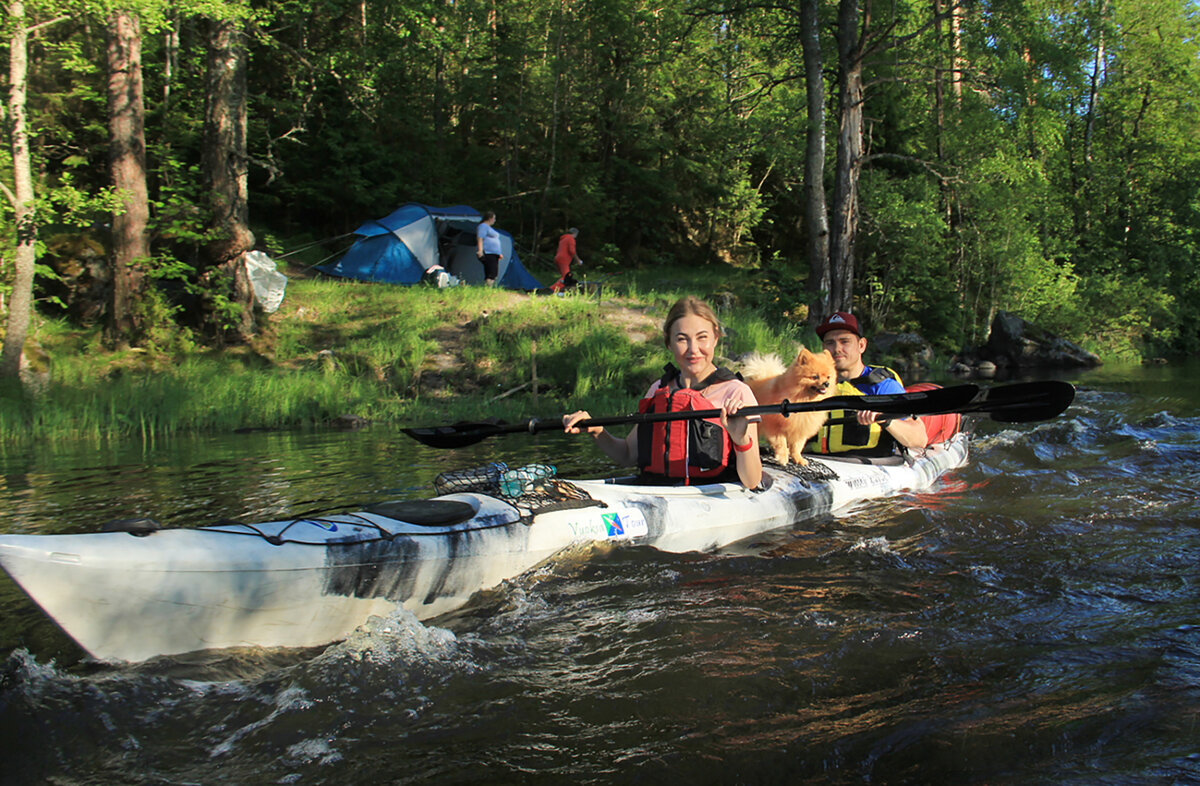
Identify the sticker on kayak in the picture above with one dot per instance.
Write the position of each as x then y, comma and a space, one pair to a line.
328, 526
629, 523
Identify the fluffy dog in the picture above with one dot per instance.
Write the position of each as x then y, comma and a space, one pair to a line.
810, 377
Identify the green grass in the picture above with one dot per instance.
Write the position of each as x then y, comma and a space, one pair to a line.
384, 353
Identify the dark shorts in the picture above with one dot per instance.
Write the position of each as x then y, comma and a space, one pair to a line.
491, 263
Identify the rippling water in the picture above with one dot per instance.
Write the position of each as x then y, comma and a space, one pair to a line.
1033, 620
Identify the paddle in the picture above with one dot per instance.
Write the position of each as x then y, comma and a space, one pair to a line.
925, 402
1023, 402
1020, 402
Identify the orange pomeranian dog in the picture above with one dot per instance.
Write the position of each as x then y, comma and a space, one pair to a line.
811, 377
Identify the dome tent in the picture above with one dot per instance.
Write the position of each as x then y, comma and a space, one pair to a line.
400, 247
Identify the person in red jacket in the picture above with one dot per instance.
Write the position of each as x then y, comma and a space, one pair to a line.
564, 257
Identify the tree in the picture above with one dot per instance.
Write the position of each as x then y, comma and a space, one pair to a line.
816, 214
848, 168
21, 196
225, 166
127, 157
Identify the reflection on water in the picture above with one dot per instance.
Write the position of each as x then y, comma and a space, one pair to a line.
1033, 620
190, 481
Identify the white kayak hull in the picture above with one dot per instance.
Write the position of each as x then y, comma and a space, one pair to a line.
309, 582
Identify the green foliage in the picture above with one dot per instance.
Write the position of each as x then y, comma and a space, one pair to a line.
161, 333
674, 134
70, 205
1124, 313
904, 258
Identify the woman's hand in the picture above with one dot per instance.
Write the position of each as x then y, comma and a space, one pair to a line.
736, 426
744, 435
569, 422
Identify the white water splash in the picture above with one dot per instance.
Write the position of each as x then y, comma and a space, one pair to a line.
292, 698
877, 546
316, 751
398, 637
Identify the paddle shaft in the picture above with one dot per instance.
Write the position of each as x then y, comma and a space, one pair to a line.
1022, 402
924, 402
897, 405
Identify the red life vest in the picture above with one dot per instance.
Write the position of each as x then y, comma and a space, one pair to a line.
938, 428
687, 450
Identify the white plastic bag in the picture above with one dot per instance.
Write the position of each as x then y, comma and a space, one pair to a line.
268, 284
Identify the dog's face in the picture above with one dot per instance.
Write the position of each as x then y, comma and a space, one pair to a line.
815, 373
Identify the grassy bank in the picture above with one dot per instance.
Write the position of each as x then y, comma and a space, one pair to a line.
339, 350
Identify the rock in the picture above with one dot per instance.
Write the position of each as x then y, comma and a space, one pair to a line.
1017, 344
350, 422
906, 353
34, 368
81, 284
723, 301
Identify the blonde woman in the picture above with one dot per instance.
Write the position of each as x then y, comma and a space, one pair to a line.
689, 451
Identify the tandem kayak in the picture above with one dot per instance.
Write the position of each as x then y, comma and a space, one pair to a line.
143, 592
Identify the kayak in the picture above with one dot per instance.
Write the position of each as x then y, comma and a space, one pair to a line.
141, 592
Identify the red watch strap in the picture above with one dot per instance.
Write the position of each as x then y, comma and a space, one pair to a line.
744, 448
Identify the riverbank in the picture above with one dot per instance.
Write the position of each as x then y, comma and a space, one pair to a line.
348, 353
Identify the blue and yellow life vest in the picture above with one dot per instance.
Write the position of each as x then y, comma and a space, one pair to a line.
848, 435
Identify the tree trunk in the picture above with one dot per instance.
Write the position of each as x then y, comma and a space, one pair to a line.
816, 217
21, 301
170, 57
225, 167
127, 166
849, 157
939, 88
552, 153
1084, 209
958, 60
1098, 65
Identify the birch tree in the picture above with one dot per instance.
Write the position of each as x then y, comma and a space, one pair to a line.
20, 196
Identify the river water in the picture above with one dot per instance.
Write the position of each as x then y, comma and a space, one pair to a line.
1035, 619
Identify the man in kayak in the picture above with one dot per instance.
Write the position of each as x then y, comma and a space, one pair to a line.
689, 451
870, 434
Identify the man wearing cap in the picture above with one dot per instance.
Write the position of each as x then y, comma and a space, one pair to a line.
870, 435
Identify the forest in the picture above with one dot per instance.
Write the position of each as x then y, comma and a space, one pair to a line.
924, 164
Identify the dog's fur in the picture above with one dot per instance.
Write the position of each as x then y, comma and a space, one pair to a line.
810, 377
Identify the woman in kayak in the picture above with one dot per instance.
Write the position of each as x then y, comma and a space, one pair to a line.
689, 451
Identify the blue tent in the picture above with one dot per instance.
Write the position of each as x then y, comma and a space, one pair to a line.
398, 248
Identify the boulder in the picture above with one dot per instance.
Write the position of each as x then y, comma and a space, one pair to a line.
906, 353
81, 282
1017, 344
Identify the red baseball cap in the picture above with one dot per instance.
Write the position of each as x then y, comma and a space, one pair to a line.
839, 320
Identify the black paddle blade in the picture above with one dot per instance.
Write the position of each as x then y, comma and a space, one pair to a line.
1024, 402
458, 435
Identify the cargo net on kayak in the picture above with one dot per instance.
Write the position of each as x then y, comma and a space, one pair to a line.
531, 489
814, 470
